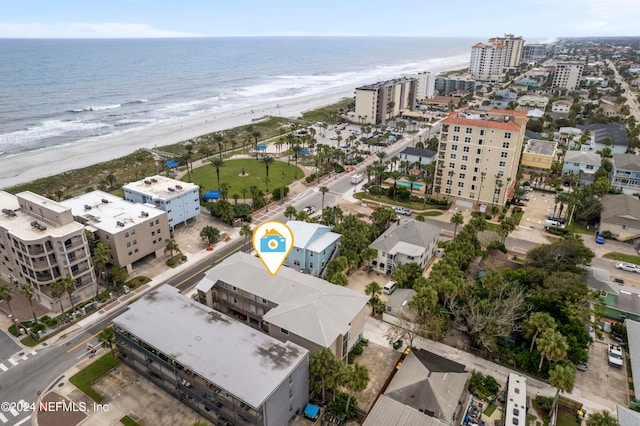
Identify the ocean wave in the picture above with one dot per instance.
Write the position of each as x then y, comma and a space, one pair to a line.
47, 129
96, 108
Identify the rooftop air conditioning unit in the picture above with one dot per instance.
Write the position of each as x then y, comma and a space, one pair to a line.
154, 180
171, 189
105, 201
178, 186
144, 214
147, 181
121, 224
87, 207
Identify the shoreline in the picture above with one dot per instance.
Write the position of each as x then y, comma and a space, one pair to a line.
34, 165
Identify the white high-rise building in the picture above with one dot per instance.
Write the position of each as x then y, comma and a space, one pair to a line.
425, 84
567, 75
513, 46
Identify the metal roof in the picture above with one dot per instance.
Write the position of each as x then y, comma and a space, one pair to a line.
411, 233
387, 411
235, 357
309, 307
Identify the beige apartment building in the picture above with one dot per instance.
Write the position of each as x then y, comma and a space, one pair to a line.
488, 61
40, 244
567, 75
132, 231
478, 156
513, 49
382, 101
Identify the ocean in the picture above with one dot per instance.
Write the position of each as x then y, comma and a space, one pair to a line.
60, 92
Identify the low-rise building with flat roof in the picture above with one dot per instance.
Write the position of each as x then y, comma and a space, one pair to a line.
289, 306
40, 244
515, 412
539, 154
132, 231
181, 200
218, 366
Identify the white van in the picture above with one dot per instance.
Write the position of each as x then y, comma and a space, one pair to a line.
389, 287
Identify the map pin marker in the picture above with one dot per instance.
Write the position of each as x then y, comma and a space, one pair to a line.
273, 242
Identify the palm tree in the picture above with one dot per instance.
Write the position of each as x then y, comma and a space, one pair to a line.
57, 290
602, 418
219, 139
562, 198
412, 179
456, 219
111, 180
552, 345
537, 323
235, 197
323, 190
108, 337
507, 226
224, 190
210, 234
324, 369
217, 163
367, 255
267, 160
171, 246
290, 212
482, 176
562, 377
5, 294
245, 231
356, 379
27, 291
100, 259
296, 150
69, 285
373, 290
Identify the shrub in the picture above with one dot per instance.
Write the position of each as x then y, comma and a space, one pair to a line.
484, 387
275, 194
310, 178
241, 210
558, 231
338, 168
497, 245
338, 407
544, 402
357, 349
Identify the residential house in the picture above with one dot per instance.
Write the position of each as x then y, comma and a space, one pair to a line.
293, 306
621, 216
475, 147
539, 154
533, 101
132, 231
181, 200
313, 246
625, 173
40, 244
561, 106
221, 368
379, 102
409, 242
611, 135
620, 303
397, 305
427, 385
583, 164
610, 109
417, 155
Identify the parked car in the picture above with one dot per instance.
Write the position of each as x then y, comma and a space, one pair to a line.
582, 366
629, 267
618, 281
599, 239
402, 210
309, 210
524, 198
527, 188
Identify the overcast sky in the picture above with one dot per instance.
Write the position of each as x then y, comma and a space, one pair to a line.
539, 19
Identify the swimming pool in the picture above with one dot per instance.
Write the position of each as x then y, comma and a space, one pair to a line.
408, 184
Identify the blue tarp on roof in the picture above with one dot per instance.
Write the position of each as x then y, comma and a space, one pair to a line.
211, 195
261, 147
312, 412
172, 163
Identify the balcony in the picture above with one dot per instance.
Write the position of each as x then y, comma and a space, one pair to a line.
444, 137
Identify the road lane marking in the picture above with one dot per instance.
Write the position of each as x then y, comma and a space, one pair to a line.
34, 353
25, 357
12, 361
22, 421
3, 368
3, 419
15, 412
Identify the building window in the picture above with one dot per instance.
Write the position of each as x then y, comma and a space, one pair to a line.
456, 128
477, 161
296, 262
452, 156
456, 138
154, 241
284, 330
151, 224
130, 253
135, 251
74, 269
460, 184
465, 148
480, 141
126, 235
507, 135
501, 173
467, 140
157, 222
71, 256
505, 145
463, 167
469, 130
235, 300
454, 147
475, 178
473, 187
503, 163
153, 233
481, 132
479, 151
465, 157
461, 175
503, 155
128, 244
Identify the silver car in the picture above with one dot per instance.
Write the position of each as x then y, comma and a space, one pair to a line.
629, 267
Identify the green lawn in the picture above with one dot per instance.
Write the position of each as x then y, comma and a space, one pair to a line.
566, 419
87, 376
490, 409
128, 421
255, 173
431, 213
628, 258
